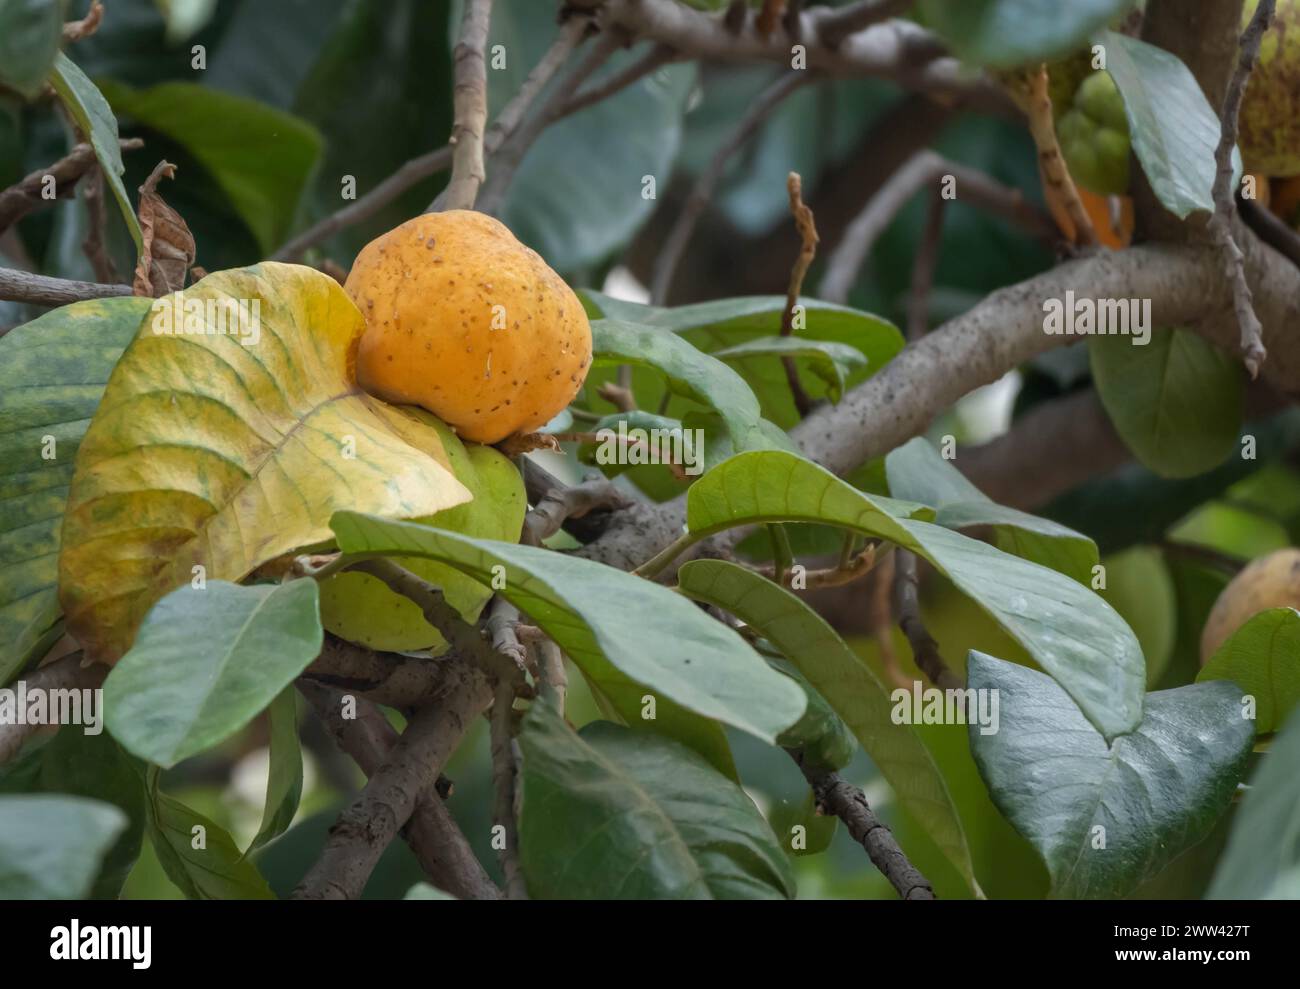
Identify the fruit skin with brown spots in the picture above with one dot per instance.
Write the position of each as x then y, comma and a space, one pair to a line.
468, 323
1272, 581
1269, 122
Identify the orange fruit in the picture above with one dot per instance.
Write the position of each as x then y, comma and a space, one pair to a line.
468, 323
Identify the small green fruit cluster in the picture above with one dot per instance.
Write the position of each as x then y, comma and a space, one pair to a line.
1094, 137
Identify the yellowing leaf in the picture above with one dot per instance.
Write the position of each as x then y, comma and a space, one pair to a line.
223, 450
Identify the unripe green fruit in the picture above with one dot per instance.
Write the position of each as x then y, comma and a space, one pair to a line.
1094, 139
361, 609
1269, 122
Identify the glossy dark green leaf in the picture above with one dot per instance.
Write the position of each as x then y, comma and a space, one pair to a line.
1106, 817
1173, 128
284, 778
51, 847
206, 661
613, 813
1007, 33
602, 618
1070, 631
262, 158
199, 856
1176, 402
1262, 860
1263, 659
917, 472
832, 362
725, 323
87, 106
847, 684
52, 373
30, 31
689, 373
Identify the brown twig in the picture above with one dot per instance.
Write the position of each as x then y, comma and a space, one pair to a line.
74, 31
470, 100
368, 825
560, 504
880, 620
1220, 226
922, 169
92, 194
657, 57
422, 167
835, 795
768, 16
42, 290
1029, 89
804, 223
854, 568
435, 839
923, 268
907, 605
505, 772
388, 678
508, 157
674, 246
27, 194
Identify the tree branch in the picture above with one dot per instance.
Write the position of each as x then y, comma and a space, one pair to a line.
907, 605
372, 820
1220, 226
436, 840
42, 290
470, 99
837, 796
27, 194
898, 50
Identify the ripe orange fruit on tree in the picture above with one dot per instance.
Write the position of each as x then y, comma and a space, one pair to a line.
465, 321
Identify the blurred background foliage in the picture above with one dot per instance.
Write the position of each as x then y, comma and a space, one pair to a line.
299, 95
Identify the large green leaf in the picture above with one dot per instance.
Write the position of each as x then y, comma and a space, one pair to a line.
199, 856
1263, 854
613, 813
917, 472
1173, 128
52, 373
689, 373
30, 31
1176, 401
777, 486
87, 106
1009, 33
847, 684
1263, 659
602, 617
206, 661
262, 158
1070, 631
51, 847
1106, 817
726, 323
